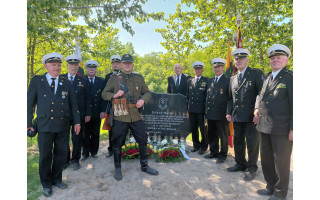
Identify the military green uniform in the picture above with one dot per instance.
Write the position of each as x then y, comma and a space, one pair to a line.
135, 88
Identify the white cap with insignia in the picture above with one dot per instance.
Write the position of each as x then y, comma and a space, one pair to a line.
278, 49
240, 53
115, 58
52, 57
218, 62
73, 59
197, 64
91, 64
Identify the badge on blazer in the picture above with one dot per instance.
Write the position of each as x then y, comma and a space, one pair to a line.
80, 85
60, 83
250, 83
64, 94
203, 84
221, 91
281, 85
137, 87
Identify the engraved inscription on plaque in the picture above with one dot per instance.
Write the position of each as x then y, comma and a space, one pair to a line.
166, 115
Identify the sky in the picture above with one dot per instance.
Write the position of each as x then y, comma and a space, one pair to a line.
145, 40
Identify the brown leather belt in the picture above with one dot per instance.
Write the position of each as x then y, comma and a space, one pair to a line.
131, 105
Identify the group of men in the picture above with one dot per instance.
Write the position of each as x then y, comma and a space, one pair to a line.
259, 106
70, 102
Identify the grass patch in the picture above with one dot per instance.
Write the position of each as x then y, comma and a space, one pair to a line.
34, 190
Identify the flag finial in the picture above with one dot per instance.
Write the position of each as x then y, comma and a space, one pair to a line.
239, 20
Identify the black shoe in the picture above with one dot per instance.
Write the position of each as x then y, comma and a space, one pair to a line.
220, 160
194, 150
84, 157
109, 154
118, 174
47, 192
265, 191
61, 185
94, 155
277, 198
149, 170
249, 176
201, 152
236, 168
210, 156
75, 166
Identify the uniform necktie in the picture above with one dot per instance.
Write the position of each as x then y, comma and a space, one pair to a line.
270, 80
240, 78
91, 82
53, 84
215, 80
177, 82
71, 79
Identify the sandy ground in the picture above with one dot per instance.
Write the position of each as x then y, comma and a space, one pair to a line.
198, 178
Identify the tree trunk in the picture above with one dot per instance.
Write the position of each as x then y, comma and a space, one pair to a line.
33, 47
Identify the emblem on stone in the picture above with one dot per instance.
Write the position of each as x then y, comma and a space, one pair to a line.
162, 103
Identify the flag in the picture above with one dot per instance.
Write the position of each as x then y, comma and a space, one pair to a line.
229, 73
229, 68
78, 53
239, 39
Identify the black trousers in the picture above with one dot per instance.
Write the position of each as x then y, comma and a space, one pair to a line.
196, 121
120, 130
245, 134
52, 156
76, 143
275, 161
91, 136
218, 129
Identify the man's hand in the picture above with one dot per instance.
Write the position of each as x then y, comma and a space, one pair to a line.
256, 116
87, 119
77, 128
102, 115
229, 118
118, 94
139, 103
30, 128
291, 135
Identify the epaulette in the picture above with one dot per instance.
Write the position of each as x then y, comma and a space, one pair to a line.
63, 77
255, 69
136, 74
288, 71
81, 78
97, 77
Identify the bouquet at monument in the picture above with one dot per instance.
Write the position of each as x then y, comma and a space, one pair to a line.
170, 154
131, 151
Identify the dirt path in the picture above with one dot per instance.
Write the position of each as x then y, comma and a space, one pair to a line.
197, 178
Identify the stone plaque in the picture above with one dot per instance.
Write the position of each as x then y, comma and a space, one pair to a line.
166, 115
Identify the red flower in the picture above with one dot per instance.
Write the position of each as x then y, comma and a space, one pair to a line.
134, 151
150, 151
123, 153
129, 151
175, 154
